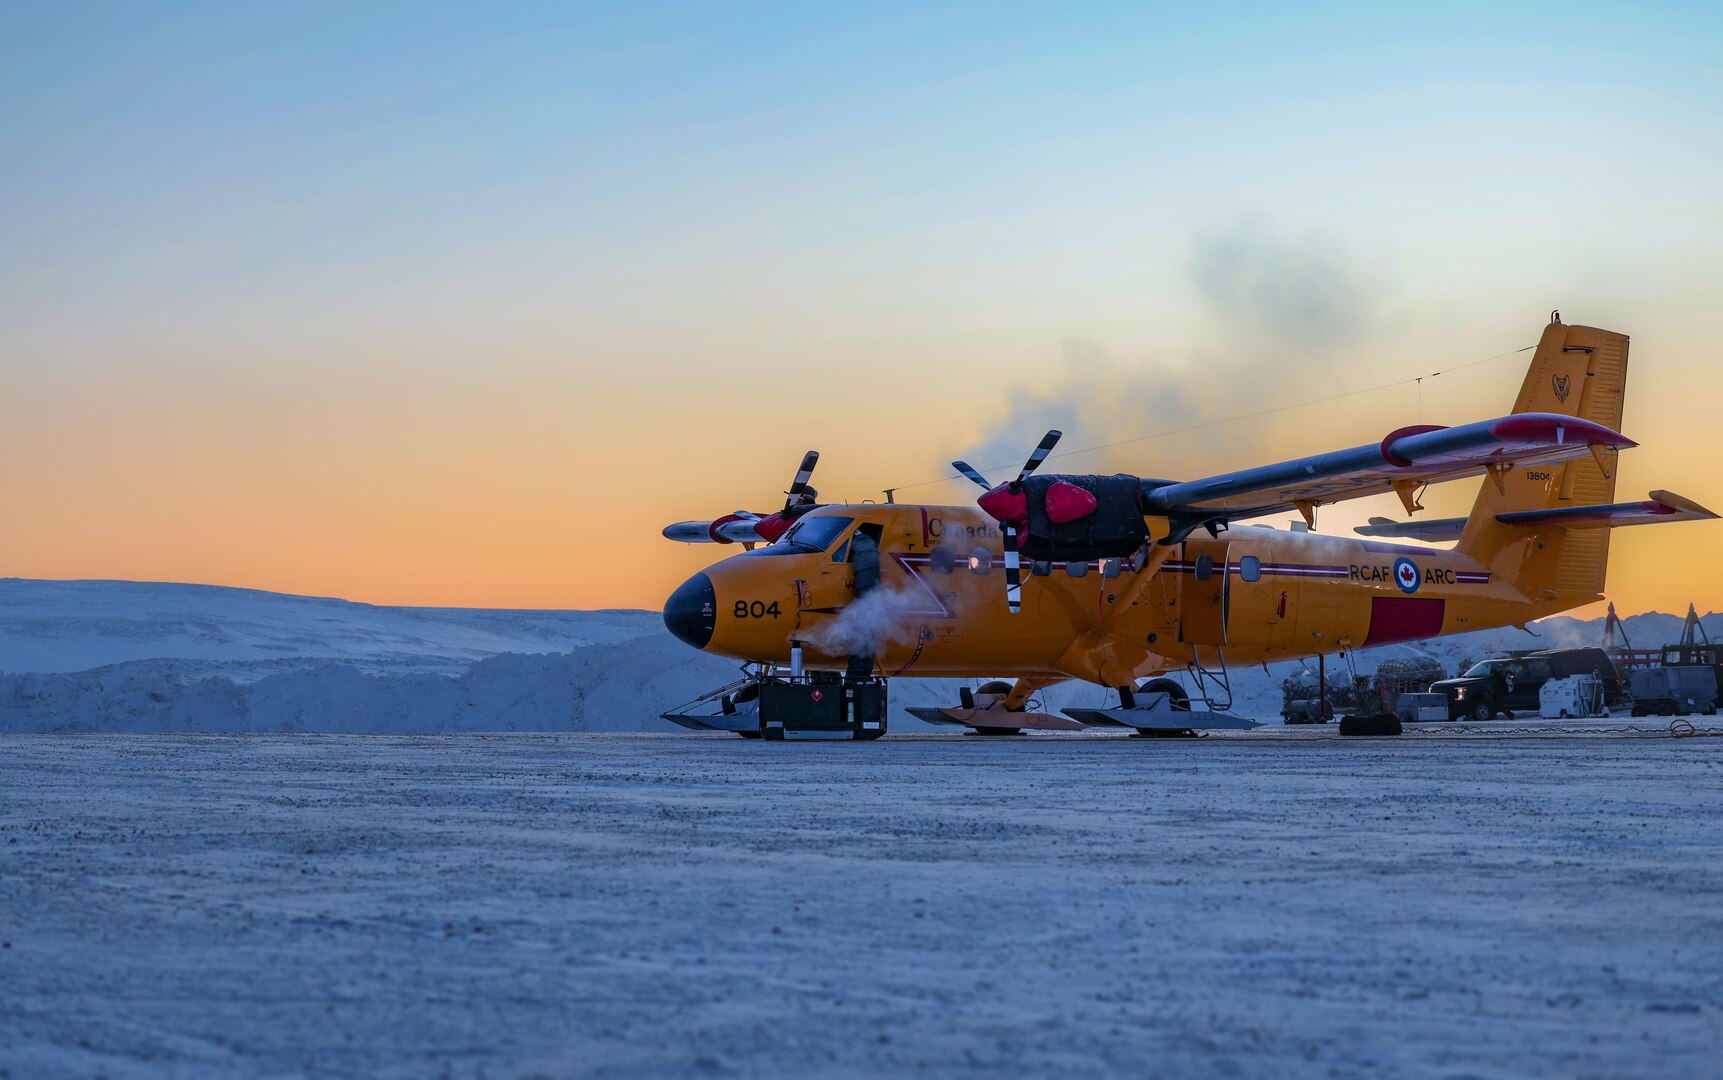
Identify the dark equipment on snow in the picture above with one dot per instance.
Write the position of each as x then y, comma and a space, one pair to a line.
1370, 725
773, 704
824, 706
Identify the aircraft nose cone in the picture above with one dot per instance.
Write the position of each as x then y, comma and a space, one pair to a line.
691, 613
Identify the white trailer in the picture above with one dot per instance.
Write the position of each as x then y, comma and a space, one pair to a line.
1572, 697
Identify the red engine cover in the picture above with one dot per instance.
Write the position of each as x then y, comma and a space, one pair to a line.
1005, 506
1068, 502
772, 526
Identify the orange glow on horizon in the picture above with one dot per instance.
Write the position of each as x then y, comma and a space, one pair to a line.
543, 494
462, 309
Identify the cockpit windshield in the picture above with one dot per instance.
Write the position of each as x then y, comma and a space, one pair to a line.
809, 535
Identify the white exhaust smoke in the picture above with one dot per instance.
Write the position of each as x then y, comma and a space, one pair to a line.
882, 617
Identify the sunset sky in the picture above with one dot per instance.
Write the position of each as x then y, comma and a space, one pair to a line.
458, 305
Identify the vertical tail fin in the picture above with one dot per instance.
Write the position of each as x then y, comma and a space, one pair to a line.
1577, 371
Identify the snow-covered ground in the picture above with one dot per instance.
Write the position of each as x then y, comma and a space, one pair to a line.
130, 656
679, 905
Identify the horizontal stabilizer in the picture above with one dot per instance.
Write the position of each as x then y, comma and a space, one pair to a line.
1662, 506
1407, 459
1434, 531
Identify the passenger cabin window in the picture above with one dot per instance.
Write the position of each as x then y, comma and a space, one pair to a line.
1204, 568
1250, 568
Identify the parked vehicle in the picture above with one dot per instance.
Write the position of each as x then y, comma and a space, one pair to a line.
1673, 679
1508, 683
1695, 650
1674, 690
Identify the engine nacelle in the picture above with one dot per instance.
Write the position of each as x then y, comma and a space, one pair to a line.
1072, 518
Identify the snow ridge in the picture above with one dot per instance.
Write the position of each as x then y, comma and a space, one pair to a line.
144, 657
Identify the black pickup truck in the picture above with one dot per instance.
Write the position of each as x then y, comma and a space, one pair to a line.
1511, 682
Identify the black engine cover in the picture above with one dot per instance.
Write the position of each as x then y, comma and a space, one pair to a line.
1113, 530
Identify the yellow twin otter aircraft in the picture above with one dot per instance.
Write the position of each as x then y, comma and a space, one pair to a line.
1132, 578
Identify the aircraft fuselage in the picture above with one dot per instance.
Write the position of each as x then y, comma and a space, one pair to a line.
1258, 593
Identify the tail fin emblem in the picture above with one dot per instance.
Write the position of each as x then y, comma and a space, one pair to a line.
1563, 384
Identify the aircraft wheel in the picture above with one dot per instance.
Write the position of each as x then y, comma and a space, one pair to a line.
1177, 697
1482, 709
1000, 689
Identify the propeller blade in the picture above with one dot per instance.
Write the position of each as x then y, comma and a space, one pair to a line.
1035, 459
965, 468
800, 486
1013, 572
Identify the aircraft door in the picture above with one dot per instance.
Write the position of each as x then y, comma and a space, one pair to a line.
830, 585
1261, 605
1203, 596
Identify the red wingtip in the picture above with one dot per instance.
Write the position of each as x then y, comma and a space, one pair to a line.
1545, 426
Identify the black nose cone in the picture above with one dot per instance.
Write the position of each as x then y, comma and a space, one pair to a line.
692, 611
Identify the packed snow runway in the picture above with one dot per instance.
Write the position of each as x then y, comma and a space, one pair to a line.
689, 905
